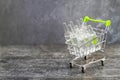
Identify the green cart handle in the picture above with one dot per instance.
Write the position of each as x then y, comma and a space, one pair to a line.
106, 22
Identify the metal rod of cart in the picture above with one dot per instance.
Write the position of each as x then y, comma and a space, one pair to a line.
84, 41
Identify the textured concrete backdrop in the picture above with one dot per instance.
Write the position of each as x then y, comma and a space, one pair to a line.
40, 21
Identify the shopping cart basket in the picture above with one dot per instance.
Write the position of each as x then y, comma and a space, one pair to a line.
84, 41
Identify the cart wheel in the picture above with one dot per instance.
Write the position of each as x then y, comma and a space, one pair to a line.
83, 70
102, 62
71, 65
85, 57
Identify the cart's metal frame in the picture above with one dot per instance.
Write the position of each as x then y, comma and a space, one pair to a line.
101, 36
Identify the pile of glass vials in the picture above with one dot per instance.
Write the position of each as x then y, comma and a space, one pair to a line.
80, 38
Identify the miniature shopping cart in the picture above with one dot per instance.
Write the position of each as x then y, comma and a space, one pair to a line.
84, 41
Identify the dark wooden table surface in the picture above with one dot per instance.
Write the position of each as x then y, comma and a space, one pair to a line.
52, 63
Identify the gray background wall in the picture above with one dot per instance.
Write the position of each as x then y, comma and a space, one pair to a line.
40, 21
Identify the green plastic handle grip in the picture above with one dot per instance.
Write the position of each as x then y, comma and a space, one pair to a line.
106, 22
